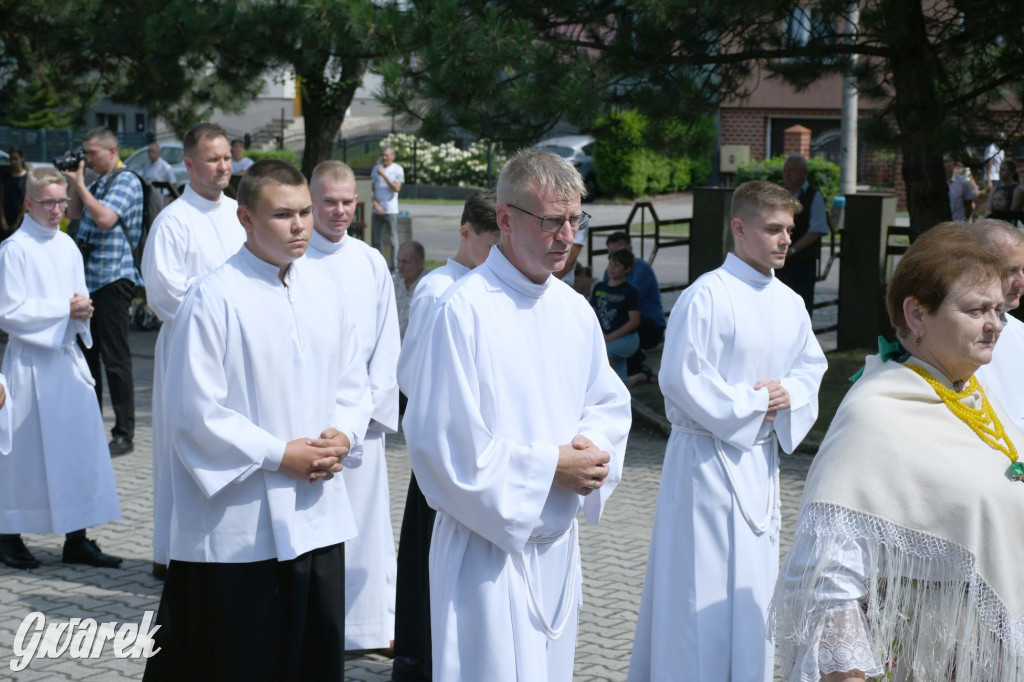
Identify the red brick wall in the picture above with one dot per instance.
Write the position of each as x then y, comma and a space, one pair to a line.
750, 127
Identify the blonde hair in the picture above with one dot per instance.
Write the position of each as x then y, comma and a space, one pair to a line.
41, 177
761, 195
335, 170
538, 170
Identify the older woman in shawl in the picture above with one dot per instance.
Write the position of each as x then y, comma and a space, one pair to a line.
908, 551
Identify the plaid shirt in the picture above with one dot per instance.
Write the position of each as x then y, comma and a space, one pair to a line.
111, 256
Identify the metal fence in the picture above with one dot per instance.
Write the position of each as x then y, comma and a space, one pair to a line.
40, 144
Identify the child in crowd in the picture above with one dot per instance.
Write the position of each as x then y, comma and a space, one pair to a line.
618, 310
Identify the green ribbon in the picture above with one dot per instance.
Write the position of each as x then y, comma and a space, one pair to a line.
1016, 471
887, 351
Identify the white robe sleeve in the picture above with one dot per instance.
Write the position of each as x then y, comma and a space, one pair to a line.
802, 384
163, 268
834, 636
354, 400
419, 323
217, 444
6, 421
607, 417
384, 361
732, 412
37, 321
493, 485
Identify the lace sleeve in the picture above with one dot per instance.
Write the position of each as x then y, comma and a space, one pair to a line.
843, 642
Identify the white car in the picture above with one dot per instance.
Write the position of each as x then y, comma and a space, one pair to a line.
171, 152
578, 149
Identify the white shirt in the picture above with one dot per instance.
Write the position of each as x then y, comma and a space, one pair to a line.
485, 354
960, 190
189, 238
159, 171
1001, 378
59, 477
403, 299
430, 288
382, 192
257, 364
515, 370
241, 165
363, 282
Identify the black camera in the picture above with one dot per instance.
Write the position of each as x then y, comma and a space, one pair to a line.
70, 161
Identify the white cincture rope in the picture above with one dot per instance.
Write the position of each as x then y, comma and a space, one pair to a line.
764, 526
568, 586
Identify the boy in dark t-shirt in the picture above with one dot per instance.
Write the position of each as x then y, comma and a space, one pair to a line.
617, 305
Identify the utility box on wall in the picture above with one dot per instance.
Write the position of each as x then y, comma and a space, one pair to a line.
732, 157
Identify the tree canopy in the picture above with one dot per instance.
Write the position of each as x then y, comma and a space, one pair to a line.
511, 70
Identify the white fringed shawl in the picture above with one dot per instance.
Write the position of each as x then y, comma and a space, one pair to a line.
938, 522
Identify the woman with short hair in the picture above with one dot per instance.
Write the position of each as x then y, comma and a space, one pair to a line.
907, 552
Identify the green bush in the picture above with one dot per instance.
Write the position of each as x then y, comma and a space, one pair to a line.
282, 154
821, 173
635, 156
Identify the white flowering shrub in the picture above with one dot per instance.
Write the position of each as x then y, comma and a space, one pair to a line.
446, 164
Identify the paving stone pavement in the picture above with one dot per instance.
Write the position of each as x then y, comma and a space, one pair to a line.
614, 558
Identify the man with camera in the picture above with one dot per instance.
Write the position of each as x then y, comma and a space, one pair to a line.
111, 225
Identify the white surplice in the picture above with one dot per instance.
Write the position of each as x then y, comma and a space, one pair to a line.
430, 288
190, 238
1002, 377
258, 363
714, 552
363, 283
58, 477
514, 369
6, 423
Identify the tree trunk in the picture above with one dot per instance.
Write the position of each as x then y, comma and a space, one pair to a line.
918, 114
324, 103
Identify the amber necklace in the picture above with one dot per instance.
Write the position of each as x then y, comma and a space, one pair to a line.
983, 421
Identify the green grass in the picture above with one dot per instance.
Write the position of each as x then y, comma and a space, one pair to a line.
836, 382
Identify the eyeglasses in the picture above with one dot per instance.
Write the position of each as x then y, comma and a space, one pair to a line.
553, 223
50, 204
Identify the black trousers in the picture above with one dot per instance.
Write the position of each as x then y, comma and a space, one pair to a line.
413, 660
266, 620
800, 277
651, 335
110, 342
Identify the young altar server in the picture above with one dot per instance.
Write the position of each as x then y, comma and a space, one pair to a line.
477, 234
58, 478
192, 236
740, 374
363, 283
523, 424
268, 394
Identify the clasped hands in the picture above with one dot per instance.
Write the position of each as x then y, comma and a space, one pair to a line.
315, 459
81, 308
778, 397
582, 467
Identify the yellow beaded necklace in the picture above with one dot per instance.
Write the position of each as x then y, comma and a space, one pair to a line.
983, 421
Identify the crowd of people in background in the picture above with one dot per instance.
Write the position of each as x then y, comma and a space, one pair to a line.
290, 348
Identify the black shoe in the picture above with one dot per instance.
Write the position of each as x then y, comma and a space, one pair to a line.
15, 554
86, 551
121, 446
159, 571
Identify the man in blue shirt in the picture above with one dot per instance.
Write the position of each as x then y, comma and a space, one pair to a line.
652, 314
111, 225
